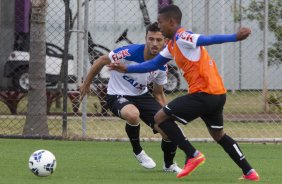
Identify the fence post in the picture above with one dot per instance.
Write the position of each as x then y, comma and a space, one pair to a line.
265, 59
65, 68
85, 63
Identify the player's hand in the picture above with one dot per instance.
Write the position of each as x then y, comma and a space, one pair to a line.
84, 89
243, 33
120, 67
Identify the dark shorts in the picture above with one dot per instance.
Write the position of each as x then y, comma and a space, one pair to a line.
146, 104
189, 107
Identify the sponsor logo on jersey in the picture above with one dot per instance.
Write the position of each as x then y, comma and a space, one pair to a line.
120, 55
186, 36
134, 83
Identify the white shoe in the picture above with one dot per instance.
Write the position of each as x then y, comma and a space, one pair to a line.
145, 160
172, 168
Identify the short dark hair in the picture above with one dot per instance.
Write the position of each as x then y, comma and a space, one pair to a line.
172, 11
152, 27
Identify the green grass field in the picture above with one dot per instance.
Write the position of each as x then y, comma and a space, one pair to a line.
85, 162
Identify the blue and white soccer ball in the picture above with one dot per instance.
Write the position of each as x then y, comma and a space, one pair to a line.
42, 163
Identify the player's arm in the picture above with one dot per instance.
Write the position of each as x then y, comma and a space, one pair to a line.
158, 93
95, 69
242, 34
148, 66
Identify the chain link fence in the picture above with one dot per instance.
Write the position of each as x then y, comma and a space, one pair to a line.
253, 78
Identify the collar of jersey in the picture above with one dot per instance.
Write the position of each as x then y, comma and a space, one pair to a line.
175, 36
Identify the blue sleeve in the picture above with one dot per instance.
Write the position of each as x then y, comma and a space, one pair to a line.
148, 66
216, 39
122, 48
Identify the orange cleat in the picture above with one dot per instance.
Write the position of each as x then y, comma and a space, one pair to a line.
253, 176
191, 165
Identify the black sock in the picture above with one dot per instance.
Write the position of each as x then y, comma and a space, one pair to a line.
169, 149
175, 134
231, 147
133, 132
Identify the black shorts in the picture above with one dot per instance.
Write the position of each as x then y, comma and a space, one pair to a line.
146, 104
189, 107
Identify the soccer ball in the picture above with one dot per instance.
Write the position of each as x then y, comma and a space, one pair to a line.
42, 163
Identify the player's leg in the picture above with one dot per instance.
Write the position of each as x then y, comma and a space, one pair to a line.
174, 132
214, 122
169, 151
184, 109
148, 107
232, 148
132, 127
124, 108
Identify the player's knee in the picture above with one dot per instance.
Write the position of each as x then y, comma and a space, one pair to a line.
131, 114
133, 117
217, 134
160, 117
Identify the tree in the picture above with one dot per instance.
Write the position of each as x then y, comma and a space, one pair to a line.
36, 120
255, 11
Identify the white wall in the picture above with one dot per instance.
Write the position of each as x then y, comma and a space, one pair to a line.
108, 19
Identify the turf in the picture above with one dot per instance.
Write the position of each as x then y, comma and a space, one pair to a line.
83, 162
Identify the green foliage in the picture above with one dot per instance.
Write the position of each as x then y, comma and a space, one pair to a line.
255, 12
275, 101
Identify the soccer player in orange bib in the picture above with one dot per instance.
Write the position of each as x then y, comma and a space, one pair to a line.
207, 94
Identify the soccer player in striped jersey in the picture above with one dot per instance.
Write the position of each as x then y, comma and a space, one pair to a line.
207, 94
128, 96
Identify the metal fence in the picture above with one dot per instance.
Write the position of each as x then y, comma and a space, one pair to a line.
253, 78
